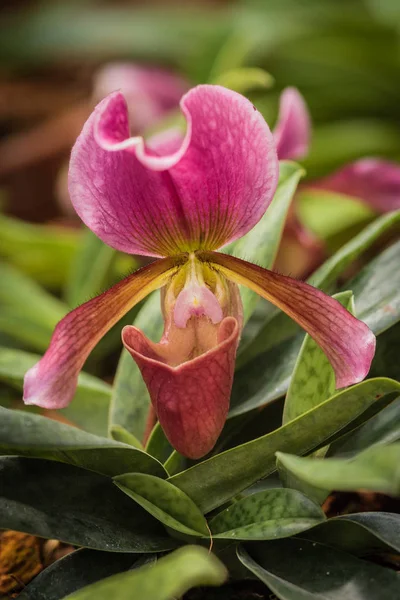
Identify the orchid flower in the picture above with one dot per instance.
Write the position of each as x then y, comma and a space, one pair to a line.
374, 181
180, 202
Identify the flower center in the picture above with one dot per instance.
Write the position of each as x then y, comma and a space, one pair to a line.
196, 298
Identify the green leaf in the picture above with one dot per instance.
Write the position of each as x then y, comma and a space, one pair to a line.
375, 469
28, 313
90, 406
261, 243
362, 534
245, 79
328, 214
90, 270
158, 445
216, 480
76, 570
383, 428
119, 434
26, 434
43, 252
165, 502
130, 399
169, 578
313, 379
291, 481
330, 270
278, 326
387, 352
70, 504
377, 290
298, 569
267, 515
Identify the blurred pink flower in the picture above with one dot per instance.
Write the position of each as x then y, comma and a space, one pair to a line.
374, 181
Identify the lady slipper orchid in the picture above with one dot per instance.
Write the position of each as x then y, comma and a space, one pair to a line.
180, 202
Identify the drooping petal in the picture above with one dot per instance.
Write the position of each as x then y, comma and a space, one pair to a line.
191, 399
375, 181
347, 342
293, 130
208, 191
51, 383
149, 92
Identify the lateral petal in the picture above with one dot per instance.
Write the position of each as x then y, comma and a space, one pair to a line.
51, 383
347, 342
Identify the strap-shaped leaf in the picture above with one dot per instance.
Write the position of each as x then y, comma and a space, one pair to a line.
26, 434
212, 482
90, 270
359, 533
90, 406
64, 502
76, 570
267, 515
169, 578
298, 569
375, 469
261, 244
165, 502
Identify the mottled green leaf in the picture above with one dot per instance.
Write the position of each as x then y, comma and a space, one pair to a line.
261, 243
130, 398
70, 504
313, 379
90, 405
266, 515
90, 271
26, 434
362, 534
376, 469
216, 480
165, 502
298, 569
169, 578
